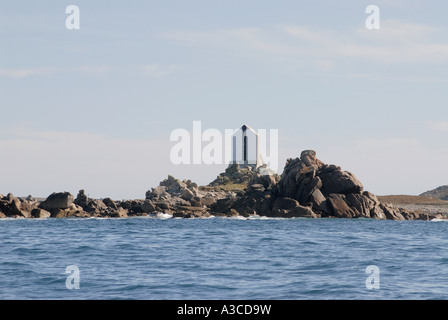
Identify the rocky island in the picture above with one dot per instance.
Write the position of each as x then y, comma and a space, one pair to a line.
307, 188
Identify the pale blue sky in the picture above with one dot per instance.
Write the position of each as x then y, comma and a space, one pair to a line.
94, 108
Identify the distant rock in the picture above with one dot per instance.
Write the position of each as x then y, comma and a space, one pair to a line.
120, 213
438, 193
172, 196
157, 192
133, 207
61, 200
81, 199
392, 213
39, 213
300, 212
108, 202
341, 182
187, 194
11, 207
175, 186
148, 206
309, 158
290, 208
234, 174
264, 178
257, 187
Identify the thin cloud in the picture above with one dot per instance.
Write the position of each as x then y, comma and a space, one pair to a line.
156, 70
159, 70
93, 70
396, 42
438, 126
388, 142
27, 72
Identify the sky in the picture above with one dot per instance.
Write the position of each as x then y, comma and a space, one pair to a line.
94, 108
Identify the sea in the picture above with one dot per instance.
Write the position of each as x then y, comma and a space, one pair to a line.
160, 258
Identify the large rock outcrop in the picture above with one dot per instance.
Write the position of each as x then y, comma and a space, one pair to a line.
328, 190
12, 207
310, 188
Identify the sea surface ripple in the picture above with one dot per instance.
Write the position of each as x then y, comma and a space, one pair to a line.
222, 258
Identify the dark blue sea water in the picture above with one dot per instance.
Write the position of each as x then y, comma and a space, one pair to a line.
147, 258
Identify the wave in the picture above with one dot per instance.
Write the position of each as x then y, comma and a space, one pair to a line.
160, 215
262, 218
439, 220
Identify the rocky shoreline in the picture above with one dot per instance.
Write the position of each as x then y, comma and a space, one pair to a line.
307, 188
